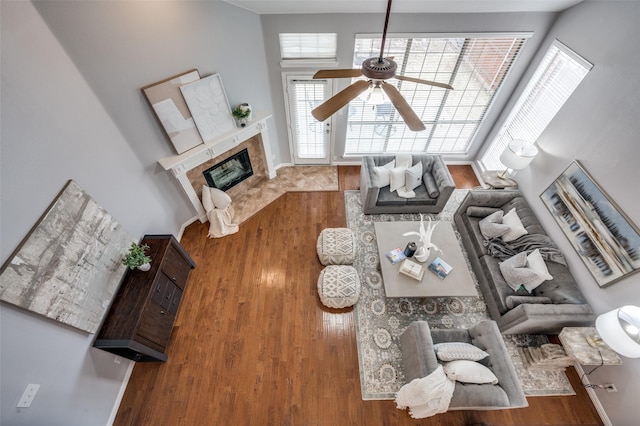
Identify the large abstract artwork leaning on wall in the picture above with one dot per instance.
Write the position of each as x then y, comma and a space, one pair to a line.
69, 266
606, 240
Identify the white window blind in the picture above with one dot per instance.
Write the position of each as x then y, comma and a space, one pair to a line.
558, 75
475, 65
308, 46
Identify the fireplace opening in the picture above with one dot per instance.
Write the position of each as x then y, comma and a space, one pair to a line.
229, 172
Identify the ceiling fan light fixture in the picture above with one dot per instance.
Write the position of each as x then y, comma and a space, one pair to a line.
376, 96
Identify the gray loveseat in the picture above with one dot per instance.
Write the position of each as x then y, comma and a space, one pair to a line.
555, 304
419, 360
378, 200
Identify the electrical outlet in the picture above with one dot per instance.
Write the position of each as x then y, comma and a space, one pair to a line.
610, 387
28, 395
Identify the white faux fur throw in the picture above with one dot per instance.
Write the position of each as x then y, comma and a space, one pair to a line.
426, 396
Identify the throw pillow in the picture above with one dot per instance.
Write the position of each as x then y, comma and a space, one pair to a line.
516, 227
219, 198
398, 175
404, 160
207, 203
469, 372
413, 177
431, 185
515, 272
536, 263
492, 226
382, 173
451, 351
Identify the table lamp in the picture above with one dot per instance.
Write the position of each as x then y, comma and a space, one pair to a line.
517, 156
620, 330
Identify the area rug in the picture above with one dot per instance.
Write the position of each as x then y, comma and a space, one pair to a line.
380, 321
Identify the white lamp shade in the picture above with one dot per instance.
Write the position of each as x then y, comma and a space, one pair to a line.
518, 154
620, 329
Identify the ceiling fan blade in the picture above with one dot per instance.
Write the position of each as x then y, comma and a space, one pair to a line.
340, 99
410, 118
342, 73
420, 81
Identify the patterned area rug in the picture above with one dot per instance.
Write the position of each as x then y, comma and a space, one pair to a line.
381, 321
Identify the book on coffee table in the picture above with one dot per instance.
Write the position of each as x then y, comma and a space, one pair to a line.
440, 268
396, 255
412, 269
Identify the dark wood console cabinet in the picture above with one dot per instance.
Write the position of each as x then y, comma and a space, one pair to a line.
138, 325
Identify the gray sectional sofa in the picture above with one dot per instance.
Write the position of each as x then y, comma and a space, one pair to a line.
419, 360
555, 304
437, 181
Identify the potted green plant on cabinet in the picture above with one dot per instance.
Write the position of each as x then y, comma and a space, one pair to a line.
136, 257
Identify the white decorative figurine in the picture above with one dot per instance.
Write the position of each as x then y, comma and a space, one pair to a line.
422, 254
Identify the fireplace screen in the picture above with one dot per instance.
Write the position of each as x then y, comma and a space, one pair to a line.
229, 172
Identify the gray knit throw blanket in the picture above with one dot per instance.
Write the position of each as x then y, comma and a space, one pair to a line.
504, 250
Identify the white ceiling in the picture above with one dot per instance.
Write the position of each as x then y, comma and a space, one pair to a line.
264, 7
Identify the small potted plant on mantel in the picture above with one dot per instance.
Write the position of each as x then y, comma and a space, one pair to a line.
242, 113
136, 257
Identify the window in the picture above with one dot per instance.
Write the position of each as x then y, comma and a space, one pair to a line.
555, 79
474, 65
295, 46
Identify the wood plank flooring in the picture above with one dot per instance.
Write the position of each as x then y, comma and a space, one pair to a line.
253, 345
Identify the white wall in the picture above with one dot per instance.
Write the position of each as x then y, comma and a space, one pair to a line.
598, 126
72, 109
348, 25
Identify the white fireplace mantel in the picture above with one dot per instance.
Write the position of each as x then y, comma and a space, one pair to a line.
179, 165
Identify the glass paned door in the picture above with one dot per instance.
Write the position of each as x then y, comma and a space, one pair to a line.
309, 138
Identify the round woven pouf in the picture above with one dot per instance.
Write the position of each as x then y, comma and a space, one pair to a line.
339, 286
336, 246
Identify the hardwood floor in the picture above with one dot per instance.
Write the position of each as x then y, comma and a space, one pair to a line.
253, 345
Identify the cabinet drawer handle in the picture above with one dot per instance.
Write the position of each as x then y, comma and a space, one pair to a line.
161, 312
174, 278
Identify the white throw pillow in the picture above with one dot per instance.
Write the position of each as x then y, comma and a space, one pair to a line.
382, 173
404, 160
536, 263
413, 177
220, 198
515, 271
207, 202
398, 177
516, 228
469, 372
451, 351
492, 226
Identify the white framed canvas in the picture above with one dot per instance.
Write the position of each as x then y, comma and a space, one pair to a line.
209, 107
172, 111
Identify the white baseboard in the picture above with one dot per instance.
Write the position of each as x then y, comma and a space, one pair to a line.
594, 397
123, 388
184, 226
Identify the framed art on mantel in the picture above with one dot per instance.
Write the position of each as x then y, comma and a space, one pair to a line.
606, 240
172, 111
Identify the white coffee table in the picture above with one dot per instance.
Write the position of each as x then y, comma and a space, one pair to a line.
457, 283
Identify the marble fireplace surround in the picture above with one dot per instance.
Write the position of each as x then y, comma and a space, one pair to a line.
187, 167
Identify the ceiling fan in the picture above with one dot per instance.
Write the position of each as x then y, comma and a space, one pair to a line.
377, 70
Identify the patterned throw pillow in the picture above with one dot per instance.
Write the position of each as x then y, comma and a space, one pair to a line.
451, 351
